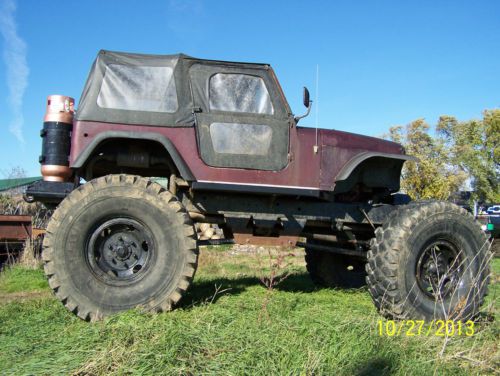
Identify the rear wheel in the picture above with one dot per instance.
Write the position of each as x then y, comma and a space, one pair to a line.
119, 242
334, 270
429, 261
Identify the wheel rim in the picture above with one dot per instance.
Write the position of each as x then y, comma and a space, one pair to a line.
120, 250
439, 269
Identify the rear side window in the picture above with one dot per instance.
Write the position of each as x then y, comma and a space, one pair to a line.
239, 93
138, 88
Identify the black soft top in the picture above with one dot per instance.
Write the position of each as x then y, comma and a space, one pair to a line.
130, 88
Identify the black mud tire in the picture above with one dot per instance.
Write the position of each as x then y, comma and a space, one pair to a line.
409, 249
327, 269
156, 229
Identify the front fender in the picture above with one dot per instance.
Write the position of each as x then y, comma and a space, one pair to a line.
358, 159
372, 169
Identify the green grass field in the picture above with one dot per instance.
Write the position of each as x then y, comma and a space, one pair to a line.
230, 324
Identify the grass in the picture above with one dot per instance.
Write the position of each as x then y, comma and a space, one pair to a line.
220, 329
21, 279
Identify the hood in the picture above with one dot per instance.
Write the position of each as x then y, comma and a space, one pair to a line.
357, 142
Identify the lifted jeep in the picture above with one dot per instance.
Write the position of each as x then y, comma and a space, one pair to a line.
164, 147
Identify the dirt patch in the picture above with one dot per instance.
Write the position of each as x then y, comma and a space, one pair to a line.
255, 249
247, 248
495, 247
23, 296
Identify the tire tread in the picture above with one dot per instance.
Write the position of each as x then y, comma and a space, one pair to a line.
93, 313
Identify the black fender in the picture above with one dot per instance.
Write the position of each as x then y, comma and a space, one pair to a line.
374, 169
170, 148
354, 162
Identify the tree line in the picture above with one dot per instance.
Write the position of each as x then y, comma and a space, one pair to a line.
452, 155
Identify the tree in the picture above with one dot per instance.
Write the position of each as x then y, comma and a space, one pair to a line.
16, 172
434, 176
475, 147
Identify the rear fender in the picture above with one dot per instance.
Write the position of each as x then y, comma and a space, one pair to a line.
170, 148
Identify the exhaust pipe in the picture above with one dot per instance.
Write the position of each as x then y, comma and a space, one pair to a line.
56, 138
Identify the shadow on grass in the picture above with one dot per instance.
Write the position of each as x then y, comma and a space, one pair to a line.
211, 290
375, 367
206, 290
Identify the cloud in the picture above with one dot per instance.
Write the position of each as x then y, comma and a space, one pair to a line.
14, 54
186, 18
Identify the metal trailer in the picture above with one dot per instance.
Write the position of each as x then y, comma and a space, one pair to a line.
14, 231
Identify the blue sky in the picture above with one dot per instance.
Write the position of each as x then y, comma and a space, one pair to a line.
381, 63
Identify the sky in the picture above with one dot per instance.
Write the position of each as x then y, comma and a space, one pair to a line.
380, 63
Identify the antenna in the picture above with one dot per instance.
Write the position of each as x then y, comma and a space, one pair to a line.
315, 148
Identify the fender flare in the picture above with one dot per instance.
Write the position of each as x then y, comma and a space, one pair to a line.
354, 162
170, 148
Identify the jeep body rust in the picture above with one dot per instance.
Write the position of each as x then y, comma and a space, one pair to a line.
169, 152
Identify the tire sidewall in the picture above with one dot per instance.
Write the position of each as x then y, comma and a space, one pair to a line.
164, 267
457, 230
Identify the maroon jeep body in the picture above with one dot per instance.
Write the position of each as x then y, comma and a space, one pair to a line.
177, 151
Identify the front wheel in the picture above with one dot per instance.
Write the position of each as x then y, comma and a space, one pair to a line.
119, 242
429, 261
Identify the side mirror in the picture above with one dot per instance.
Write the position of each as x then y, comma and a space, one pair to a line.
305, 98
307, 102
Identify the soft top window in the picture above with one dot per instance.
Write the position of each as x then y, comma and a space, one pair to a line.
239, 93
158, 90
234, 138
138, 88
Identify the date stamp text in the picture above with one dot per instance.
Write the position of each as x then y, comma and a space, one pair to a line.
412, 328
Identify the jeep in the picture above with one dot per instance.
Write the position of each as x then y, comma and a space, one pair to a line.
166, 153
